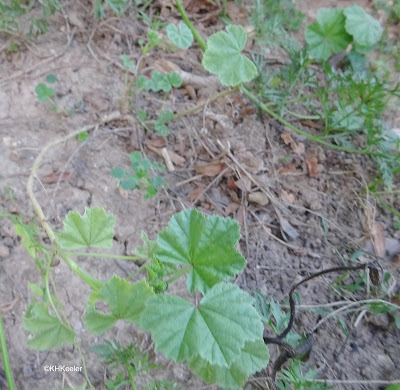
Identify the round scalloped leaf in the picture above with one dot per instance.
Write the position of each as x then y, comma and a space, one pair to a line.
46, 331
252, 358
223, 57
327, 35
366, 30
95, 228
182, 38
125, 300
216, 330
207, 244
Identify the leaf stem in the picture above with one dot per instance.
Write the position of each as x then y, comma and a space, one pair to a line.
104, 255
46, 278
200, 106
180, 272
94, 283
4, 355
188, 23
314, 138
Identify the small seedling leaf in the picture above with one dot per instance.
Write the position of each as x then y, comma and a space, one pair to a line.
223, 57
46, 331
327, 35
126, 301
118, 173
83, 136
51, 78
252, 358
153, 37
216, 330
95, 228
206, 244
44, 92
128, 63
181, 37
160, 82
174, 79
366, 30
118, 6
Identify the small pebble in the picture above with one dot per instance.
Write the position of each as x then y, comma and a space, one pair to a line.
4, 251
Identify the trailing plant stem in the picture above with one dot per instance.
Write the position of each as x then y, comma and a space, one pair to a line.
200, 106
93, 282
182, 271
188, 23
314, 138
53, 306
4, 355
105, 255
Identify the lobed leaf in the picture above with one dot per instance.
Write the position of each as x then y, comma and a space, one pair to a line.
206, 244
46, 330
126, 301
252, 358
366, 30
181, 37
327, 35
216, 330
44, 92
94, 228
223, 57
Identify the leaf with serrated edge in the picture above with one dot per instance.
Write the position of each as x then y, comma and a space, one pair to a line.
252, 358
223, 57
94, 228
182, 38
366, 30
126, 301
327, 35
207, 244
216, 330
46, 330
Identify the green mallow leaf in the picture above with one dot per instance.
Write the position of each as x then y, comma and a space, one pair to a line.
252, 358
125, 300
46, 331
182, 38
44, 92
366, 30
51, 78
206, 244
216, 330
95, 228
223, 57
327, 35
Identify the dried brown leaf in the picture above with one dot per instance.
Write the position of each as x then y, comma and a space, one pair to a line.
313, 167
52, 178
155, 142
287, 139
195, 194
210, 169
244, 184
286, 197
231, 208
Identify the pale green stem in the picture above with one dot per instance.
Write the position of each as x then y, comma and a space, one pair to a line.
4, 355
46, 278
103, 255
188, 23
265, 108
182, 271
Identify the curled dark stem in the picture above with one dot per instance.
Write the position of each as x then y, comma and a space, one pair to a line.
290, 352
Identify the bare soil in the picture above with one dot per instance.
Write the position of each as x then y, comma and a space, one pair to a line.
323, 210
